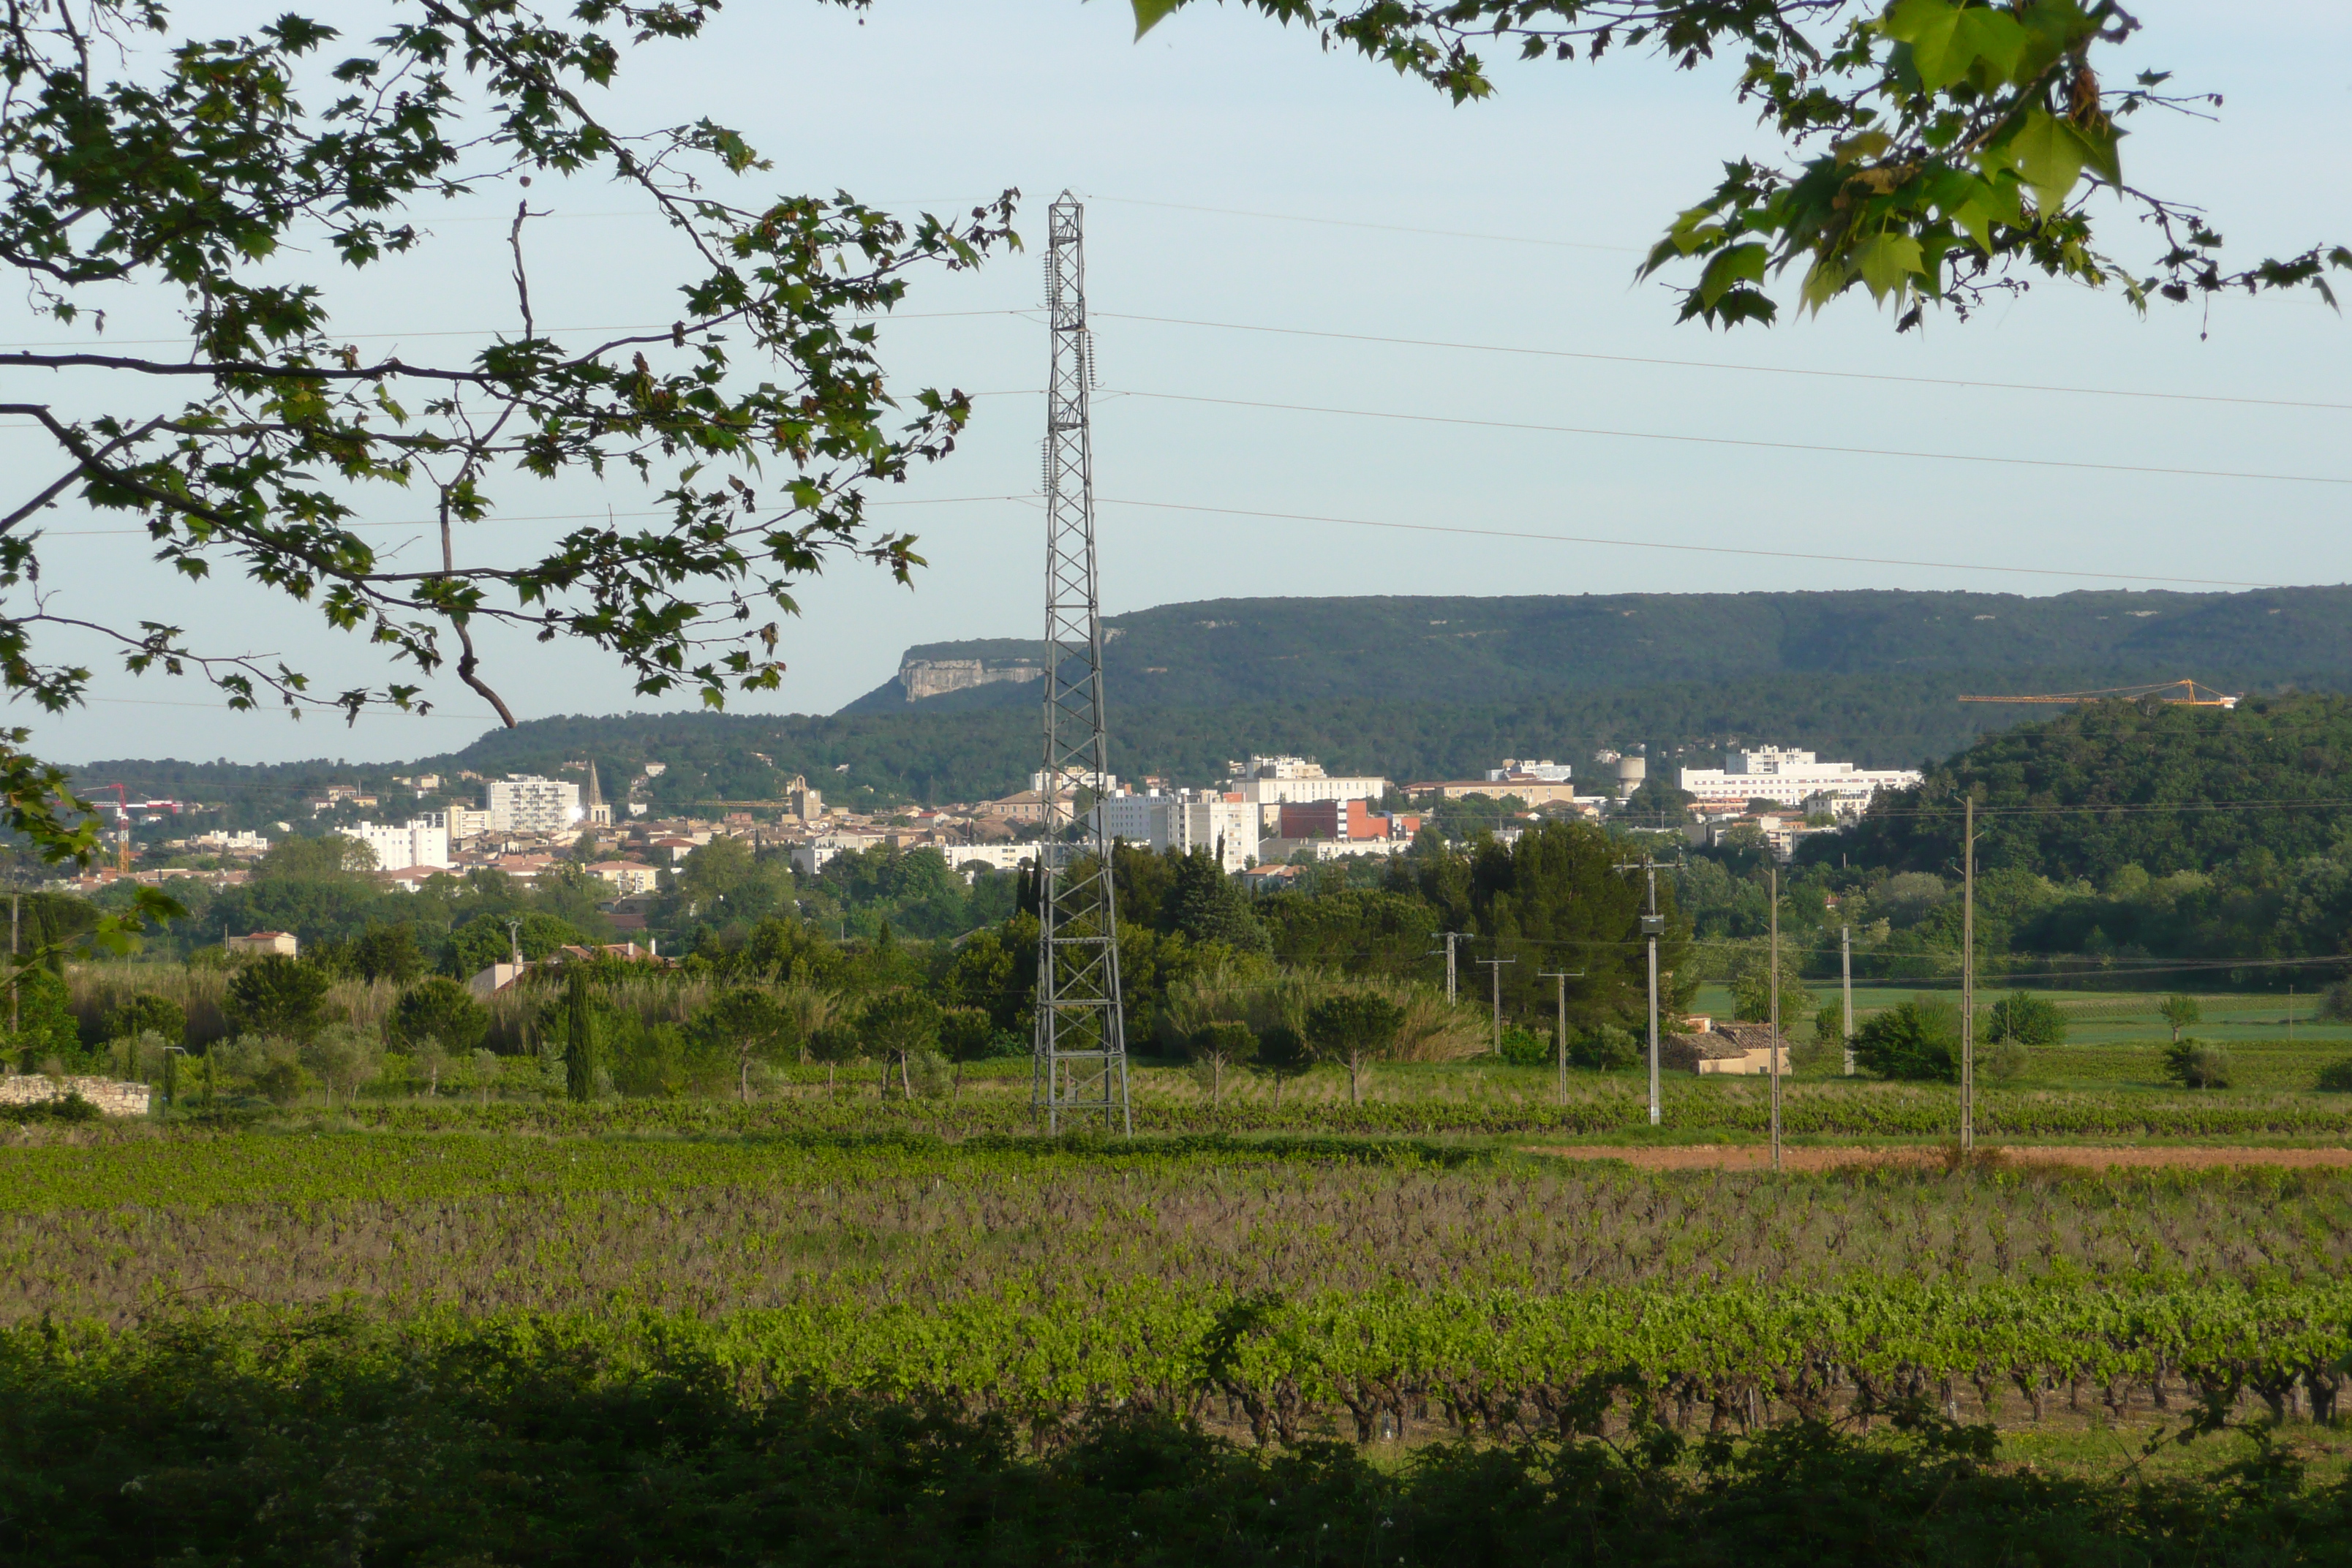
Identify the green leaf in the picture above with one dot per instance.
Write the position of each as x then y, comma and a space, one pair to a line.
1927, 26
2100, 150
1148, 13
1984, 36
1885, 261
1739, 264
1977, 220
2049, 156
1822, 280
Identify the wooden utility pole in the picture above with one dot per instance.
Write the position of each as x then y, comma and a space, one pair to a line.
1773, 1060
1968, 978
1559, 1029
1845, 1009
1495, 967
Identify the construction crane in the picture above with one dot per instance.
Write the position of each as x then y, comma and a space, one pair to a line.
2188, 694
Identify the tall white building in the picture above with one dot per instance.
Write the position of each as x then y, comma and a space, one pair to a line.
1183, 823
525, 802
1786, 778
423, 841
1269, 784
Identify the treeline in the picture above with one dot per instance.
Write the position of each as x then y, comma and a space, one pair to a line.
2114, 836
1348, 969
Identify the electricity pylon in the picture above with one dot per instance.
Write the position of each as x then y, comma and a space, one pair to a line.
1080, 1071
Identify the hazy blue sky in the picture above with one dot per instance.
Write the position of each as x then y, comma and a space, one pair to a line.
945, 101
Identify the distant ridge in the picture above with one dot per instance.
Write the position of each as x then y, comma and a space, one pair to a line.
1422, 687
1222, 652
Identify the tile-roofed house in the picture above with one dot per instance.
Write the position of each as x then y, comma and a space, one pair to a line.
1740, 1049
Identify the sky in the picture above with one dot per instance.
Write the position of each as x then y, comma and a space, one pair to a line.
1234, 174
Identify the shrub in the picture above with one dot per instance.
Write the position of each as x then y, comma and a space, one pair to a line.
148, 1014
2027, 1019
1605, 1049
2335, 1003
1918, 1039
1523, 1048
276, 995
69, 1107
2335, 1077
2002, 1062
2197, 1066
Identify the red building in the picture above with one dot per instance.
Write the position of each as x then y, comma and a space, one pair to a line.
1353, 820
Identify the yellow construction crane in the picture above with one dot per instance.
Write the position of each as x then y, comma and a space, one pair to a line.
2188, 694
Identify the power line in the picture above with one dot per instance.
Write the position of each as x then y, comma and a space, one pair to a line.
878, 319
1382, 227
536, 517
1690, 549
1707, 364
1739, 441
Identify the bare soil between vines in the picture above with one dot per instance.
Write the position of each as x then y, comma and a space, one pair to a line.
1815, 1157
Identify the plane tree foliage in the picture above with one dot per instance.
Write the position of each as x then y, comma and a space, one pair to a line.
266, 442
1932, 151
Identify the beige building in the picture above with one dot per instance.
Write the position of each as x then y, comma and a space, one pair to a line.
264, 941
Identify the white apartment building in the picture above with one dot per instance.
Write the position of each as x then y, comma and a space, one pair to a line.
1544, 772
997, 857
1270, 782
1183, 823
1076, 779
525, 802
810, 855
1786, 778
423, 841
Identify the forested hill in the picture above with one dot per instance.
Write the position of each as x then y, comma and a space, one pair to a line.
1381, 686
2166, 789
1485, 651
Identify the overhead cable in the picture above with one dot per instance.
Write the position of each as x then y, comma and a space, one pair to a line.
1661, 544
1743, 441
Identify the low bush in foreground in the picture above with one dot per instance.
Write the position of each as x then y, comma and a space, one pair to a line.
328, 1441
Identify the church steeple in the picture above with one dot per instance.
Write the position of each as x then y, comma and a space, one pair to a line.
599, 814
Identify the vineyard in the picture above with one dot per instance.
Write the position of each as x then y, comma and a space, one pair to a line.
1321, 1288
441, 1311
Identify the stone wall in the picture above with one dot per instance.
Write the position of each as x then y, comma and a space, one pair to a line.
112, 1096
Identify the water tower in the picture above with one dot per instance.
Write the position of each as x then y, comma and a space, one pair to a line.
1633, 770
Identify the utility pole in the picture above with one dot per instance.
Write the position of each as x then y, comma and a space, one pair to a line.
1969, 978
1846, 976
1654, 926
1080, 1060
1560, 1031
1449, 936
1772, 1061
1495, 967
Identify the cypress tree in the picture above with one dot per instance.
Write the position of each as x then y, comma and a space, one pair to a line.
579, 1039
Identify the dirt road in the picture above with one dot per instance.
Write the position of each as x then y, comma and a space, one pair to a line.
1816, 1157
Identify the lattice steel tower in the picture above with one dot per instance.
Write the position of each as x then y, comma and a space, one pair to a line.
1081, 1048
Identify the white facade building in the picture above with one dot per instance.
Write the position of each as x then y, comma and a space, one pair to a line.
525, 802
423, 841
1268, 784
998, 857
1183, 823
1545, 771
1076, 779
1786, 778
810, 855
